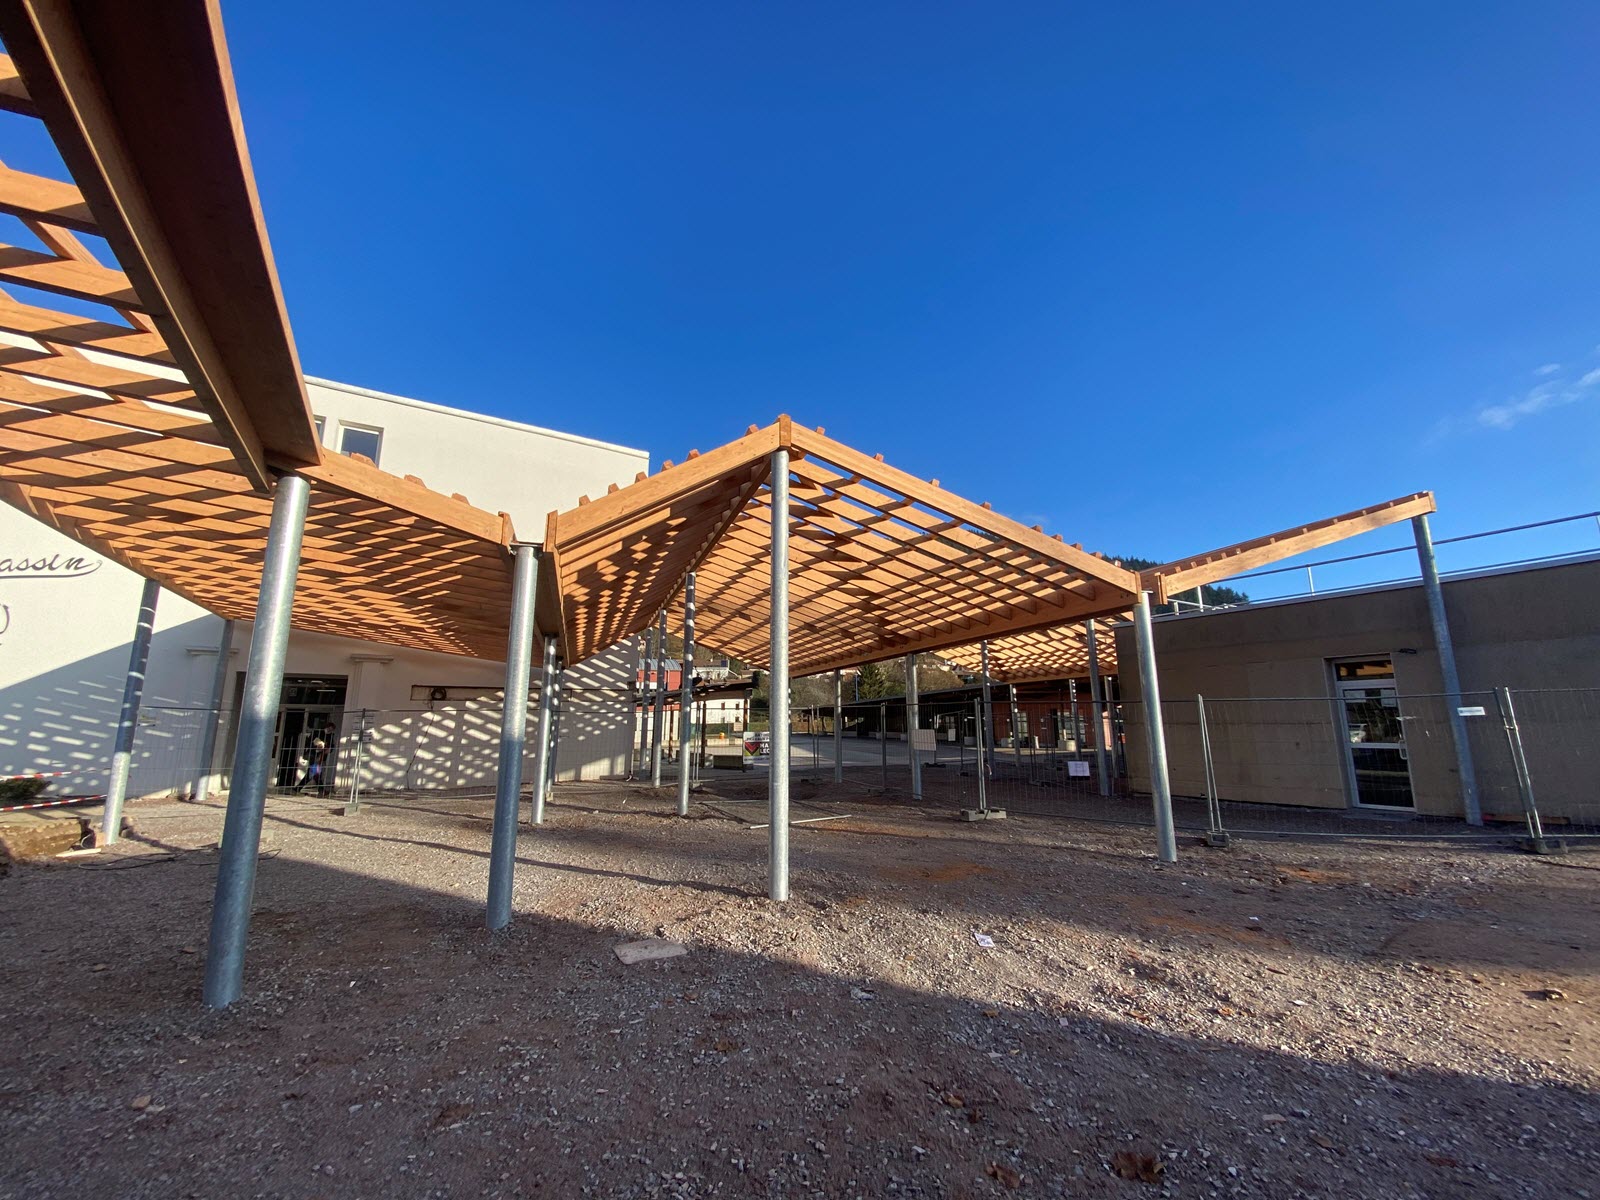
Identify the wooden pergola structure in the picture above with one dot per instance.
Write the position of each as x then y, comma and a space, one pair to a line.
171, 432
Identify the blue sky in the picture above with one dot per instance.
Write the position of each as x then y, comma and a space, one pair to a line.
1156, 276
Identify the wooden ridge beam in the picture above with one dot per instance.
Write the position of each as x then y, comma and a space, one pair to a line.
1179, 576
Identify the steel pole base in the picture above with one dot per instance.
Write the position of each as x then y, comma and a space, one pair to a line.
1542, 845
983, 814
1219, 839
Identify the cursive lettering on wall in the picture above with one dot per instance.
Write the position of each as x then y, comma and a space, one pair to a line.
54, 566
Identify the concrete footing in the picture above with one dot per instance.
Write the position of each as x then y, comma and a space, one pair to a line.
980, 814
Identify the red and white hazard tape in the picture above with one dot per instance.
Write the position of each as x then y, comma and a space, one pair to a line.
51, 803
35, 775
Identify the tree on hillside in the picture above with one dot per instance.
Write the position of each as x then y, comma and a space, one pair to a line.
1211, 595
875, 685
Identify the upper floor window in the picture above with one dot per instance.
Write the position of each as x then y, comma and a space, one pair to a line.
321, 423
360, 439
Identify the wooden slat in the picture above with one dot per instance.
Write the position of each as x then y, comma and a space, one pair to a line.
81, 281
13, 92
34, 196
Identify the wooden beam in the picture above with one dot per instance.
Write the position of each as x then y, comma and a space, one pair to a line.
1005, 528
13, 92
37, 198
64, 277
139, 98
361, 479
85, 333
1180, 576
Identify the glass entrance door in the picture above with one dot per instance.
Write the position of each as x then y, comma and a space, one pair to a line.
307, 734
1375, 735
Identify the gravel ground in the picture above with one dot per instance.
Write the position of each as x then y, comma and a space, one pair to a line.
1277, 1019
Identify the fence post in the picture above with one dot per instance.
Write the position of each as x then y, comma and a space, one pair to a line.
1216, 835
1537, 842
883, 740
355, 774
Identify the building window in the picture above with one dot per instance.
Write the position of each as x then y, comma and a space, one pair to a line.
321, 424
359, 439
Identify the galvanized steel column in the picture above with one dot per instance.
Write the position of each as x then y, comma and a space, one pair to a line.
543, 731
205, 770
558, 701
778, 772
128, 717
838, 727
913, 715
1155, 732
253, 763
1447, 668
513, 737
657, 725
686, 698
1097, 702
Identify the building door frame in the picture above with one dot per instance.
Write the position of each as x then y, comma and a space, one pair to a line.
1370, 721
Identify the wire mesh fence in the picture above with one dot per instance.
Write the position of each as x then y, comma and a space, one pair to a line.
1362, 762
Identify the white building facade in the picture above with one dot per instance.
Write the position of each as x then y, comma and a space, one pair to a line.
67, 618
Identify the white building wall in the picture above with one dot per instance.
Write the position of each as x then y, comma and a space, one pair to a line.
67, 617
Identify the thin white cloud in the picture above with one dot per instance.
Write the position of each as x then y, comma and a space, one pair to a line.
1547, 369
1553, 393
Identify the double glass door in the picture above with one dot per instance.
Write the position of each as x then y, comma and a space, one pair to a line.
307, 735
1375, 734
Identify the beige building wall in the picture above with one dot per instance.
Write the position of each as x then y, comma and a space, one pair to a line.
1266, 670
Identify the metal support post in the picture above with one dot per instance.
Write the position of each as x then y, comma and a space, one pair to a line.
986, 724
1072, 718
838, 727
253, 762
558, 704
1519, 760
128, 718
913, 719
1097, 703
778, 772
657, 725
1155, 732
686, 699
544, 730
206, 770
1447, 668
513, 737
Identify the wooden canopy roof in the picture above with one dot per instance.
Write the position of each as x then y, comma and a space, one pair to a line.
881, 563
151, 431
1062, 651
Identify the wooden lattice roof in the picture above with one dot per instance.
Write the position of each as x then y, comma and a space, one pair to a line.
1062, 652
152, 430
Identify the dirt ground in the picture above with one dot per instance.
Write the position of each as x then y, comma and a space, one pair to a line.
1278, 1019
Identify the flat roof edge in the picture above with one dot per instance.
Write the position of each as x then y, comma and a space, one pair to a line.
502, 422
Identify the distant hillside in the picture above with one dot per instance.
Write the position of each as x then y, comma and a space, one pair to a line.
1210, 594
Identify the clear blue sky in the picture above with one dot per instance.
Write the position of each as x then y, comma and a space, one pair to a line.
1156, 276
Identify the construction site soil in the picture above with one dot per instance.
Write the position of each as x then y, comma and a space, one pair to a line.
1030, 1007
